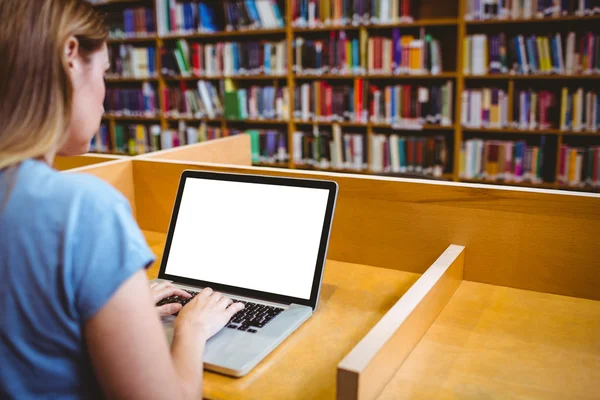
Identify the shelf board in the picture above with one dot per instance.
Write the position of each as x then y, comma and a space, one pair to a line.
111, 2
224, 34
445, 177
514, 131
374, 125
532, 77
544, 185
417, 23
140, 39
271, 165
444, 75
230, 121
130, 117
570, 18
129, 79
531, 132
220, 77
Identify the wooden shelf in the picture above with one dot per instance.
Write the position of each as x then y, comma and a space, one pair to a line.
140, 39
532, 132
535, 20
130, 117
532, 77
514, 131
271, 165
229, 121
375, 125
589, 189
220, 77
417, 23
444, 75
224, 34
112, 2
129, 79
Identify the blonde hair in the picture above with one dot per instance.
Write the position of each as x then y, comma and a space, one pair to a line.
35, 88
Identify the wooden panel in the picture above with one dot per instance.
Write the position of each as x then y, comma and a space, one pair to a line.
234, 150
117, 173
494, 342
65, 163
353, 299
369, 366
534, 239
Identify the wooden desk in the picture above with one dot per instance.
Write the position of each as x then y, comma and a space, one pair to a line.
353, 299
493, 342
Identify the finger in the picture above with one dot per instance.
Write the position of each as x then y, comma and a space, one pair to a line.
225, 302
169, 309
215, 298
159, 285
205, 293
168, 291
234, 309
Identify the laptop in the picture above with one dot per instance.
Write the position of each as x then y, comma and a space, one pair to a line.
258, 239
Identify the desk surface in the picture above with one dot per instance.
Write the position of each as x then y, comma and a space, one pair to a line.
353, 299
494, 342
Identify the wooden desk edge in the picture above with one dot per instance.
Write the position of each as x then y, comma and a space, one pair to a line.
365, 371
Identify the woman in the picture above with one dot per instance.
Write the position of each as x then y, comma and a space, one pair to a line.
76, 312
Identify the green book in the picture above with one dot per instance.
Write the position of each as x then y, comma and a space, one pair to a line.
254, 144
119, 139
232, 105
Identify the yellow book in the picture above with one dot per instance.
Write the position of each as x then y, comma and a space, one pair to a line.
348, 55
406, 41
548, 54
467, 56
364, 39
541, 56
563, 108
574, 111
572, 165
318, 99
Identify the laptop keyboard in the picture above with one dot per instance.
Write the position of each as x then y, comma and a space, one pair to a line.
253, 317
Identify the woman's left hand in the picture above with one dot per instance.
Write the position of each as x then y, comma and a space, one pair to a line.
163, 290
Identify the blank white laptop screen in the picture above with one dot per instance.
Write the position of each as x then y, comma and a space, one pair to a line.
249, 235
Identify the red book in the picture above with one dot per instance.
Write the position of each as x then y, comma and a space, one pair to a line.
329, 101
196, 59
419, 152
406, 102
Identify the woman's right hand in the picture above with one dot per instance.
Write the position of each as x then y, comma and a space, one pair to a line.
206, 314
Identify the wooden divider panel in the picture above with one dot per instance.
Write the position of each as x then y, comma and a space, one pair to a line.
365, 371
533, 239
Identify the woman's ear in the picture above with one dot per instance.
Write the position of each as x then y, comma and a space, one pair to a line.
73, 60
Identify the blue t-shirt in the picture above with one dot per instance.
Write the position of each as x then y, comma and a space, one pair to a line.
67, 242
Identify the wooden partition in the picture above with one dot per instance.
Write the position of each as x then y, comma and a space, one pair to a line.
233, 150
366, 370
533, 239
66, 163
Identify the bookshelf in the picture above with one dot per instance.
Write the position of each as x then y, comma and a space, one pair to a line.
448, 23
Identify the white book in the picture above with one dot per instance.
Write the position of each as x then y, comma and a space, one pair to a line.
580, 110
479, 66
464, 108
357, 146
337, 139
205, 96
561, 59
570, 67
476, 108
394, 153
297, 154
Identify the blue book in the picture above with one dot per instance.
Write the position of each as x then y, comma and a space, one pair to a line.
402, 153
355, 55
253, 11
152, 60
150, 26
393, 105
519, 56
533, 66
277, 13
207, 18
128, 22
397, 56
